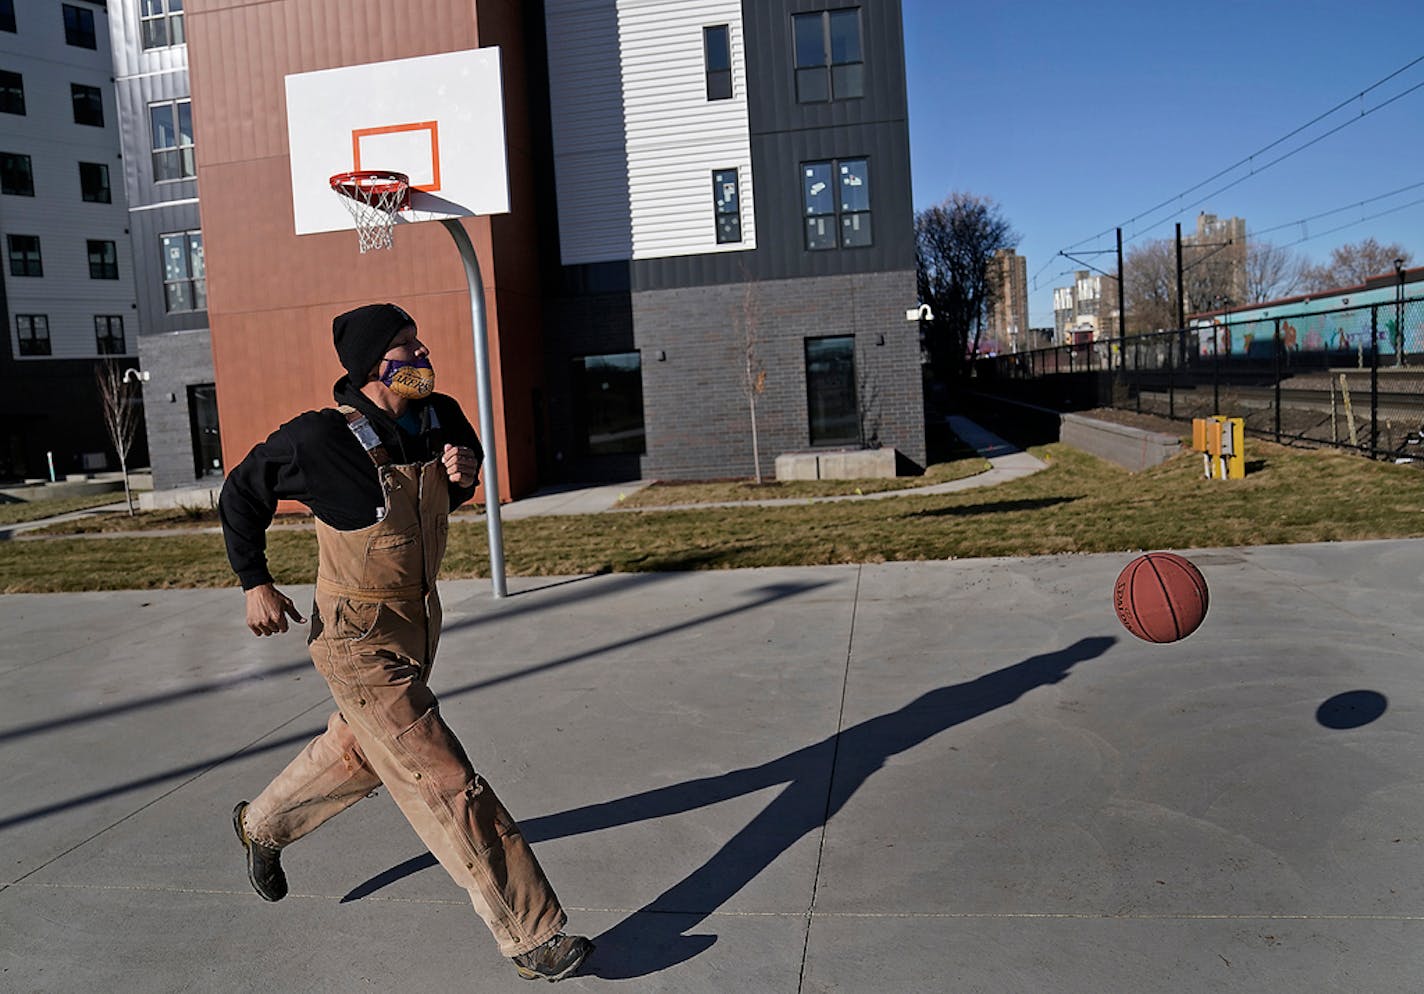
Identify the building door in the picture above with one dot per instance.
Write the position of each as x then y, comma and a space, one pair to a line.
203, 421
830, 391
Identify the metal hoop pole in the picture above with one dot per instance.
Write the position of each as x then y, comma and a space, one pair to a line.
486, 402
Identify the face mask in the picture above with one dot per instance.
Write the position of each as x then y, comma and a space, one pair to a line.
411, 380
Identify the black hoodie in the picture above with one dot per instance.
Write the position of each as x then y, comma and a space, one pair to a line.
315, 459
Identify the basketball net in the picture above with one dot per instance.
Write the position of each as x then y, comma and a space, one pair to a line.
373, 198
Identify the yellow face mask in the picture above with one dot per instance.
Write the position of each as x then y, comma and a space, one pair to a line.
411, 380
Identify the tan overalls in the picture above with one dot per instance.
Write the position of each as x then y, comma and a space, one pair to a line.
375, 627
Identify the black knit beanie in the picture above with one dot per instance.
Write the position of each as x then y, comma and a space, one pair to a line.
363, 337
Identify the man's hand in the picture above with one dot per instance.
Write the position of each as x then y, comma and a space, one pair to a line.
460, 465
267, 610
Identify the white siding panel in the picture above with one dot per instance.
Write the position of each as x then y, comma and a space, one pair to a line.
636, 142
590, 153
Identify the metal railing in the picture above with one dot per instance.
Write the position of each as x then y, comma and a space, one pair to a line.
1351, 377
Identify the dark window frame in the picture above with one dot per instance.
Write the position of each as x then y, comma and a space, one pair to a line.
818, 404
27, 260
79, 29
88, 104
728, 216
594, 416
95, 193
176, 162
7, 16
846, 217
10, 171
30, 345
717, 60
182, 286
829, 76
162, 26
103, 261
106, 341
12, 92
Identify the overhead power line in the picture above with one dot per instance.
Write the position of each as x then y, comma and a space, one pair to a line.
1247, 160
1301, 148
1339, 210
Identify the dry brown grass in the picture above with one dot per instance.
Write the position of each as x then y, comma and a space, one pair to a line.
1078, 504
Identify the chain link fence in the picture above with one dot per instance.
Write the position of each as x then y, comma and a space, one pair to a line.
1351, 377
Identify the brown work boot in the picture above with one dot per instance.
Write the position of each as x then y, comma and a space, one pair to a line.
556, 959
264, 863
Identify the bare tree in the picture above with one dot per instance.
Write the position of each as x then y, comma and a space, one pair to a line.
954, 243
1150, 290
1352, 264
1211, 278
753, 371
121, 415
1272, 272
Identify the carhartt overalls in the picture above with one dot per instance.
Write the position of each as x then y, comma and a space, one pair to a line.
375, 627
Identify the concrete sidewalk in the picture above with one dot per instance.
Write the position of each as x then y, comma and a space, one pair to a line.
953, 776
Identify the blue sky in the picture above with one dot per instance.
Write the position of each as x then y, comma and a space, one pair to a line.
1079, 117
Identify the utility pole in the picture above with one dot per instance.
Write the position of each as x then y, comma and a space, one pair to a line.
1121, 309
1181, 298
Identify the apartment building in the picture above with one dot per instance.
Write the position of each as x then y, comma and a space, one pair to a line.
150, 68
1006, 329
710, 207
67, 286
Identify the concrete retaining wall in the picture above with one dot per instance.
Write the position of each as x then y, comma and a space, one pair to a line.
1135, 449
836, 464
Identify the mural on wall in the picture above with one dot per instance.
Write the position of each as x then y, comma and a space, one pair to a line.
1331, 323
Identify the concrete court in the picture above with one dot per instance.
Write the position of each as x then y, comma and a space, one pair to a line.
1022, 797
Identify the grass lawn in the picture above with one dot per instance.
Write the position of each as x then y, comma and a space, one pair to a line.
18, 512
1078, 504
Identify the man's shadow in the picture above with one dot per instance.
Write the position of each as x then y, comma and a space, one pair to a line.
653, 937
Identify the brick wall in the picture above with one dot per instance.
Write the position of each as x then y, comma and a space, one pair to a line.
173, 361
695, 403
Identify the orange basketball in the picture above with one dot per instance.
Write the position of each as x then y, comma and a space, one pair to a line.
1160, 597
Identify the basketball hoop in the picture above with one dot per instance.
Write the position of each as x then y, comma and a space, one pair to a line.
373, 198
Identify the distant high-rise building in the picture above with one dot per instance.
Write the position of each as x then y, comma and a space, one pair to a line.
1087, 308
1214, 261
1008, 312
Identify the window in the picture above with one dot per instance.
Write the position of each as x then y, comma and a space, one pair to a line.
25, 255
830, 391
609, 391
103, 260
109, 334
94, 182
185, 282
32, 330
728, 206
15, 175
88, 104
12, 92
79, 27
7, 15
836, 196
161, 22
829, 62
203, 424
717, 51
171, 126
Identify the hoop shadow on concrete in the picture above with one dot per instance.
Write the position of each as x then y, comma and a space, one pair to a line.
819, 779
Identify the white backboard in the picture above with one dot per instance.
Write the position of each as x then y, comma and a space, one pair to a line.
437, 118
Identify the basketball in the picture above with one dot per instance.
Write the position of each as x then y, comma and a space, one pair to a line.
1160, 597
